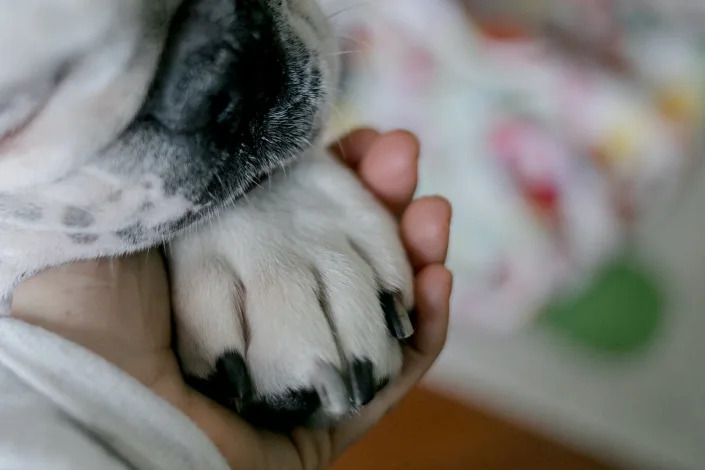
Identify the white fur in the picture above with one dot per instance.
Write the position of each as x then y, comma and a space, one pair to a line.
255, 267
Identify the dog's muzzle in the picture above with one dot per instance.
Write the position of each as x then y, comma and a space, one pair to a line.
237, 96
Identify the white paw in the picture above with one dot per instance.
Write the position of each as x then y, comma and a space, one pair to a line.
289, 307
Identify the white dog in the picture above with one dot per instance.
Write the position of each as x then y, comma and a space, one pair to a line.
125, 124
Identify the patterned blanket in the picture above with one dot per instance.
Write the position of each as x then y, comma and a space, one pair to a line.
552, 125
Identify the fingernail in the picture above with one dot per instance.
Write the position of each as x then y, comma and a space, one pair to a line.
362, 386
332, 391
398, 320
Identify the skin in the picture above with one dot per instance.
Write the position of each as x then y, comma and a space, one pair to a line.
120, 309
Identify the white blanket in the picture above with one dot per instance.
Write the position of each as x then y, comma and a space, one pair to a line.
62, 407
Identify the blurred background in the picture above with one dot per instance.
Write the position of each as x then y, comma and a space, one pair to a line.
568, 135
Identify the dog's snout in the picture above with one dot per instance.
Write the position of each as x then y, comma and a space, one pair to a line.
218, 62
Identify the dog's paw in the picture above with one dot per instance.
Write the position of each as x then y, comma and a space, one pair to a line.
290, 307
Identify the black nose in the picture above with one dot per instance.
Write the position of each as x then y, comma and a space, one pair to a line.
220, 62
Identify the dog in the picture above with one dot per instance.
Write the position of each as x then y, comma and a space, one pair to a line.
197, 124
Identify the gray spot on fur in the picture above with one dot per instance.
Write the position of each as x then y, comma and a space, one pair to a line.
17, 208
115, 197
83, 238
29, 213
77, 217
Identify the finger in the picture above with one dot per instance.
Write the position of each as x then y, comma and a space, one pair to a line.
433, 286
353, 147
390, 169
425, 230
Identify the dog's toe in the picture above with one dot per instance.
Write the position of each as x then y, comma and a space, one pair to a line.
362, 382
333, 396
324, 403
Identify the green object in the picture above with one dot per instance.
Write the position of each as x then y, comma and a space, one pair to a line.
620, 313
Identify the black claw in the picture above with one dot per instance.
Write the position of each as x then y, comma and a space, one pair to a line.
398, 320
362, 383
282, 413
382, 384
414, 316
386, 300
233, 377
230, 383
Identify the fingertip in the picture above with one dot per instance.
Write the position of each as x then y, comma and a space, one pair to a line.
397, 142
390, 169
434, 285
425, 230
406, 136
353, 147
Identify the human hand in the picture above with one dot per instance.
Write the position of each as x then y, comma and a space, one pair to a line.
120, 309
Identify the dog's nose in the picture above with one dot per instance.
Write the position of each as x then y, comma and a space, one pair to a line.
189, 93
217, 59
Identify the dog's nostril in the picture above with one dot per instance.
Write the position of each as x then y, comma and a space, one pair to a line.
192, 92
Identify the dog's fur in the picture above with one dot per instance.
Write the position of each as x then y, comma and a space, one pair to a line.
125, 124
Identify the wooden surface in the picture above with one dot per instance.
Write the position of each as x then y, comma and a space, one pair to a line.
432, 432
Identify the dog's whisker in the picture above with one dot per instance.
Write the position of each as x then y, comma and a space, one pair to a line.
364, 44
349, 8
346, 52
